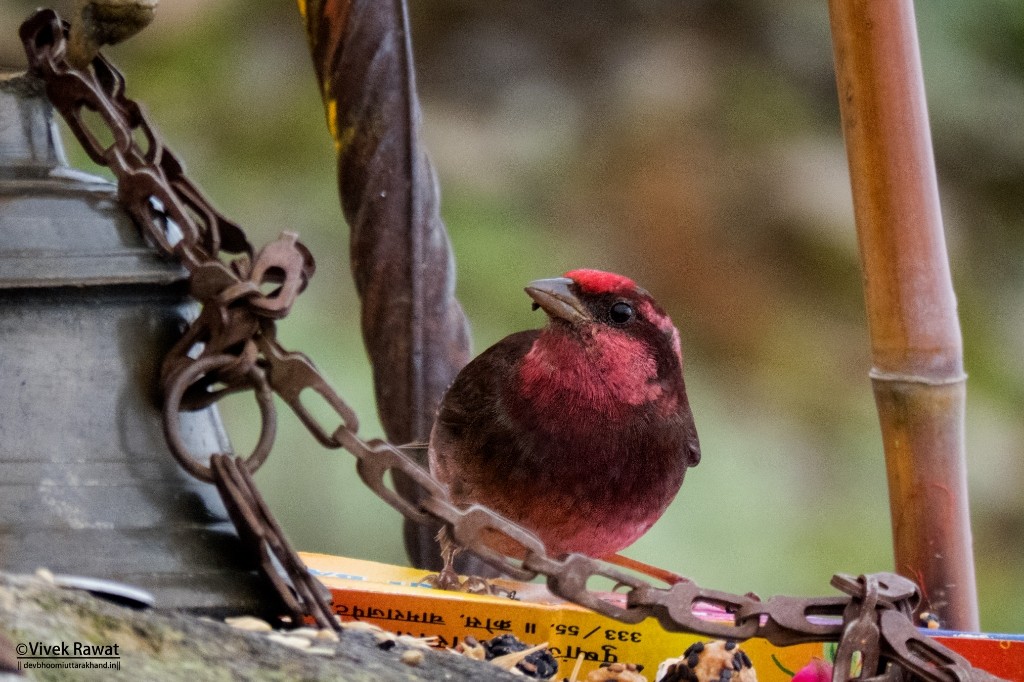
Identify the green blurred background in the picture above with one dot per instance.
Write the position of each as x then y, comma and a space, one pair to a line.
692, 145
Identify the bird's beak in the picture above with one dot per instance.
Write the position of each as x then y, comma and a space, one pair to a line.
557, 300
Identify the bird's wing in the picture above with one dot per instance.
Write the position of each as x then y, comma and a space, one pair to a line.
467, 418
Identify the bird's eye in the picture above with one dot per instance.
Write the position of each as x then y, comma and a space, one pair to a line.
621, 313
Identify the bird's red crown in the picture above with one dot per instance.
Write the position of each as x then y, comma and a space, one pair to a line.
600, 282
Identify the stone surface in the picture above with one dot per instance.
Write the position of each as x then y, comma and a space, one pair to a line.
174, 646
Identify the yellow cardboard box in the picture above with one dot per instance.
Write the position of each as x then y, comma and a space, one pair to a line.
396, 599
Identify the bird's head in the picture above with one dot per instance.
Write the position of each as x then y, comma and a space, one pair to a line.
609, 347
595, 304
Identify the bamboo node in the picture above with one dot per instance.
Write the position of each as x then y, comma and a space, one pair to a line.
879, 375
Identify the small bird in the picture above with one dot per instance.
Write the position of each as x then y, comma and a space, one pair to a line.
581, 431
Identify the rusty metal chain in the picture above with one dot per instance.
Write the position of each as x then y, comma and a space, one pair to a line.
301, 593
232, 347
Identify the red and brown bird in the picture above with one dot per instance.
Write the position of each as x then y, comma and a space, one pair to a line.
580, 431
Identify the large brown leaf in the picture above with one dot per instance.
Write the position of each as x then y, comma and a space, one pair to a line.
414, 329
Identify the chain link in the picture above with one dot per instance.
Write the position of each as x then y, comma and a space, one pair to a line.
232, 347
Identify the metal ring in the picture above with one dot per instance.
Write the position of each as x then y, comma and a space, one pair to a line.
172, 407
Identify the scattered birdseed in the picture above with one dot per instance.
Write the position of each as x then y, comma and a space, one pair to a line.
715, 661
471, 648
418, 642
744, 660
307, 632
505, 651
508, 652
301, 639
328, 635
249, 623
288, 640
617, 672
46, 575
412, 656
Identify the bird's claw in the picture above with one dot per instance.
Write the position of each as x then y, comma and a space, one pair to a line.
447, 579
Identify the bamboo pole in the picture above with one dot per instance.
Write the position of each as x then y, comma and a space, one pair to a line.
917, 374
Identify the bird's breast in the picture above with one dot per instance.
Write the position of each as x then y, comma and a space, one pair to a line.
606, 374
